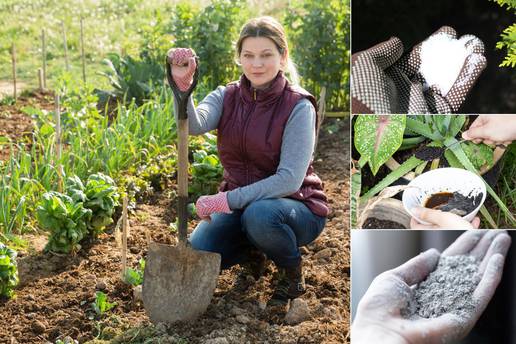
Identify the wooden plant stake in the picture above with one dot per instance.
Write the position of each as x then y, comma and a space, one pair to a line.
82, 52
59, 147
13, 52
40, 79
124, 237
67, 64
44, 52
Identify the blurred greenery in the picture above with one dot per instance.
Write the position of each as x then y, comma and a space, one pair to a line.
128, 40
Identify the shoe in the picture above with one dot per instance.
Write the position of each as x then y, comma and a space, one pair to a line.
290, 285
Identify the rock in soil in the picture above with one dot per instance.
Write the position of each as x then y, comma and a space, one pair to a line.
323, 254
137, 293
298, 312
38, 327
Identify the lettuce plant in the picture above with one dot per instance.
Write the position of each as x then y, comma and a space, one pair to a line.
65, 219
8, 271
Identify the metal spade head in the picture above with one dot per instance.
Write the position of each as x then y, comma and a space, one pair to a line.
179, 282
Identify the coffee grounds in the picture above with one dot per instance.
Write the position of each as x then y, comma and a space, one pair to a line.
429, 153
460, 204
448, 289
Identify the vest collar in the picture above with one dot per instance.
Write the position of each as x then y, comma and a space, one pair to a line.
274, 91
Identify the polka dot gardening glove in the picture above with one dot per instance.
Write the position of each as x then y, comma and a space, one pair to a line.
183, 67
434, 77
207, 205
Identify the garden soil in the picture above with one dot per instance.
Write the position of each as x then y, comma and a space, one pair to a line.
54, 298
15, 124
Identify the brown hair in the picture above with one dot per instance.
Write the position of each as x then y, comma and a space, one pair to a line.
269, 27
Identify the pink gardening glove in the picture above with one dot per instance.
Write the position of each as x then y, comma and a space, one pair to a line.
183, 66
207, 205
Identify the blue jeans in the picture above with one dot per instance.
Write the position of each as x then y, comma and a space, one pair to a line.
277, 227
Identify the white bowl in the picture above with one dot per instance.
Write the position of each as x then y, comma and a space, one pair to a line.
441, 180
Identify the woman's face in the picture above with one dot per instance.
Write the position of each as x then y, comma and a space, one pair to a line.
260, 60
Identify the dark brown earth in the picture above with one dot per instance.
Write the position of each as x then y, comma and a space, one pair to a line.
374, 223
54, 298
15, 124
429, 153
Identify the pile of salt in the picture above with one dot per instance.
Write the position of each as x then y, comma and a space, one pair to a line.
442, 58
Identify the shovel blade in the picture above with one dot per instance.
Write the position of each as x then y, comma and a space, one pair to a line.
178, 282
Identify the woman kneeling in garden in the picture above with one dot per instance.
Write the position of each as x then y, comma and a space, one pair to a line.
271, 202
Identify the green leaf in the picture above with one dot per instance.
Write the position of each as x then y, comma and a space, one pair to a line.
404, 168
479, 154
422, 128
377, 137
451, 143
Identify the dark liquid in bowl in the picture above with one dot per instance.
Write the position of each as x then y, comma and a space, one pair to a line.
438, 199
453, 202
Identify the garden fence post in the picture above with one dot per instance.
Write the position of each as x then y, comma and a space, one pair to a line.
67, 64
82, 52
13, 52
44, 56
59, 148
320, 114
124, 237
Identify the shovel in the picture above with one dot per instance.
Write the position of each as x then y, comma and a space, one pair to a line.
179, 281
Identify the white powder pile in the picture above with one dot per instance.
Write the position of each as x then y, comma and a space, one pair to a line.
442, 58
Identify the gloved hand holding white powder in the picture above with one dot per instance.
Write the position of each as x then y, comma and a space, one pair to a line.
443, 57
434, 76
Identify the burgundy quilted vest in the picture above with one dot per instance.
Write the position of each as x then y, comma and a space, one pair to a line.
250, 133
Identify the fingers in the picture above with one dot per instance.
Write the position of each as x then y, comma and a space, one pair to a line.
473, 66
499, 245
480, 250
464, 244
180, 56
386, 53
489, 282
414, 224
441, 219
477, 131
416, 269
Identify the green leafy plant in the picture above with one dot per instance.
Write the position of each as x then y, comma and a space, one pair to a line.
132, 78
508, 36
99, 195
101, 304
206, 170
101, 198
319, 34
377, 138
65, 219
134, 277
8, 271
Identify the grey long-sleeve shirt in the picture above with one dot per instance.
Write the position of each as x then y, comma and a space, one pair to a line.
296, 148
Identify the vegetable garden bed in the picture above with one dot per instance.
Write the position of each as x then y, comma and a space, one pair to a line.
54, 300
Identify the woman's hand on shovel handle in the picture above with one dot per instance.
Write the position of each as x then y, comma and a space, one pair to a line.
207, 205
183, 67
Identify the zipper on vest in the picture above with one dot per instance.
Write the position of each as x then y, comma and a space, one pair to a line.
244, 134
254, 94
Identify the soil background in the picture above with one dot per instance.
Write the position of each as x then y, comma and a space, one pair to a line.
374, 21
56, 292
